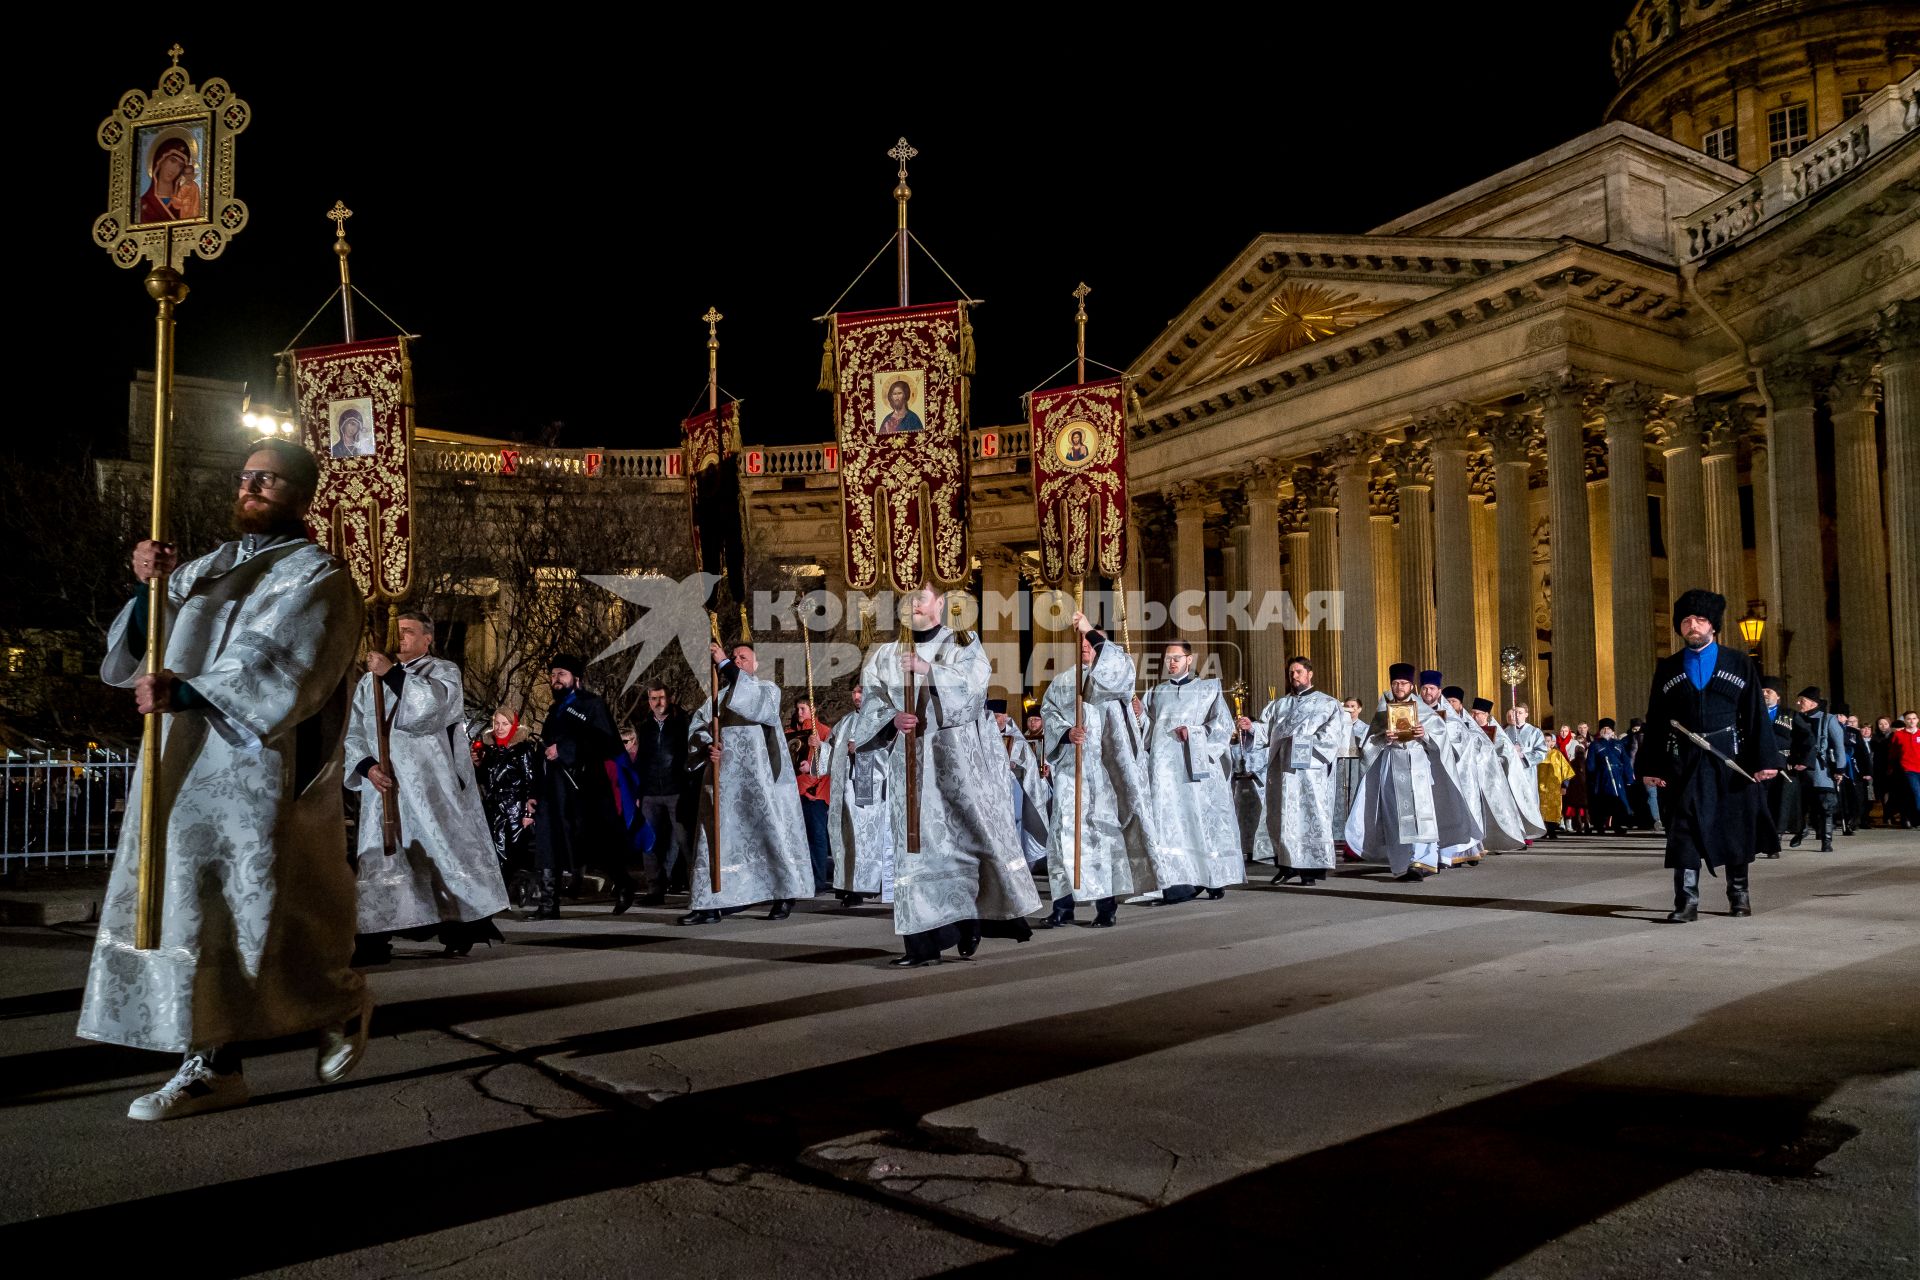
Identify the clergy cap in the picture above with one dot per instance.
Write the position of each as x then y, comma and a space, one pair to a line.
1430, 677
997, 705
1454, 691
1481, 704
1400, 671
568, 662
1607, 722
1698, 603
1811, 693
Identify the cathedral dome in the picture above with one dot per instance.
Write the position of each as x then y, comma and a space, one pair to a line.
1748, 81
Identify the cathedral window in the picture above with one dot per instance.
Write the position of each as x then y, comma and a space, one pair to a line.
1850, 103
1719, 143
1786, 130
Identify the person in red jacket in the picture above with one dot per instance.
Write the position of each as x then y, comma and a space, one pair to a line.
1906, 763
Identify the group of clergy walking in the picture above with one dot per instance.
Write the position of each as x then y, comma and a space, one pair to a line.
939, 806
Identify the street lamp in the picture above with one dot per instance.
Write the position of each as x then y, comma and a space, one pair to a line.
270, 420
1754, 626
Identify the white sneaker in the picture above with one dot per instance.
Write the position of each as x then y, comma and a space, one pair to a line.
195, 1087
342, 1047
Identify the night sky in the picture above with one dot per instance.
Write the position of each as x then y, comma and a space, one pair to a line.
553, 211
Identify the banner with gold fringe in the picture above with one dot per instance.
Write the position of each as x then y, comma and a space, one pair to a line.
711, 442
900, 412
356, 416
1080, 479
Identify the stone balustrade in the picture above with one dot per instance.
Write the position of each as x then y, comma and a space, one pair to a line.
1776, 190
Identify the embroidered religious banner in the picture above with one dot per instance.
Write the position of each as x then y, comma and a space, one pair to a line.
356, 415
900, 412
1080, 479
710, 444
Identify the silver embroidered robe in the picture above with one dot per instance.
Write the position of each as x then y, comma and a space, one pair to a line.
1406, 806
1299, 827
257, 919
1507, 827
1460, 765
444, 869
859, 817
1521, 759
763, 836
969, 865
1190, 786
1117, 824
1031, 793
1249, 757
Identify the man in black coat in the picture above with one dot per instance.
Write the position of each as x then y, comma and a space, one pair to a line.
660, 760
1816, 755
1783, 797
573, 823
1712, 815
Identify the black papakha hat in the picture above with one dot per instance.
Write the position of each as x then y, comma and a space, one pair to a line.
998, 705
1811, 693
568, 662
1606, 722
1700, 603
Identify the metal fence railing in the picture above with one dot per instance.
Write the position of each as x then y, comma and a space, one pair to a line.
63, 808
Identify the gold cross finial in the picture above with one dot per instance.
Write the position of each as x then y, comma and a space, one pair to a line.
713, 319
338, 215
902, 152
1081, 295
175, 53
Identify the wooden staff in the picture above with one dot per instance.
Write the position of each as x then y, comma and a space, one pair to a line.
913, 745
389, 804
713, 805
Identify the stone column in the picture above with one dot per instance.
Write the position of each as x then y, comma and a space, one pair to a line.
1155, 523
1317, 484
1386, 574
1562, 400
1790, 384
1511, 436
1266, 644
1447, 431
1413, 478
1359, 646
1900, 379
1720, 486
1189, 502
1767, 580
1685, 507
1866, 649
1486, 574
1299, 574
1000, 581
1230, 639
1600, 529
1627, 407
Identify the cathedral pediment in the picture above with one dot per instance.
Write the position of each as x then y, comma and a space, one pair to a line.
1286, 295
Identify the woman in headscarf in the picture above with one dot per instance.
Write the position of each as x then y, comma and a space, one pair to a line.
169, 170
508, 779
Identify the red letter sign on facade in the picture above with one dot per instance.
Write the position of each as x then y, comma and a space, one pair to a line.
756, 462
509, 461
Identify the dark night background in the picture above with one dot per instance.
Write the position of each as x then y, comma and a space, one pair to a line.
553, 210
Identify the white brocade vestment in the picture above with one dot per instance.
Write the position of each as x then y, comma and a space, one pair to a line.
1197, 836
859, 817
1032, 794
969, 865
443, 870
1116, 827
1309, 729
1406, 807
257, 898
763, 836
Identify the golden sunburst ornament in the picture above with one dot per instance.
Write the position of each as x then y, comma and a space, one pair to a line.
1296, 315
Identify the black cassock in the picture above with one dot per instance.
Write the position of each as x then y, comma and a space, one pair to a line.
575, 820
1712, 814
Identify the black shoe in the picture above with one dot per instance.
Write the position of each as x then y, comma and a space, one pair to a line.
653, 900
782, 908
912, 962
699, 917
1411, 877
1214, 895
368, 952
622, 899
1826, 846
1058, 918
1798, 836
1100, 922
1685, 915
1281, 876
1774, 854
1740, 907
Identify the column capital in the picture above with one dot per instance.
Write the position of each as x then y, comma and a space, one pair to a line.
997, 555
1856, 384
1792, 381
1317, 483
1263, 477
1480, 470
1352, 452
1410, 462
1593, 455
1511, 435
1234, 504
1187, 497
1628, 405
1684, 425
1563, 389
1898, 329
1445, 426
1383, 498
1725, 430
1293, 516
1152, 517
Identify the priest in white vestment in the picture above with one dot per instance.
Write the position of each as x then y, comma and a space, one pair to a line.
1189, 728
859, 817
1304, 734
1405, 807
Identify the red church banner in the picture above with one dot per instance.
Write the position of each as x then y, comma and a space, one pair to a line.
900, 414
1080, 480
356, 415
711, 447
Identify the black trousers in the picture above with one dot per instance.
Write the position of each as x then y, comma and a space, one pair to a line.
1817, 805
